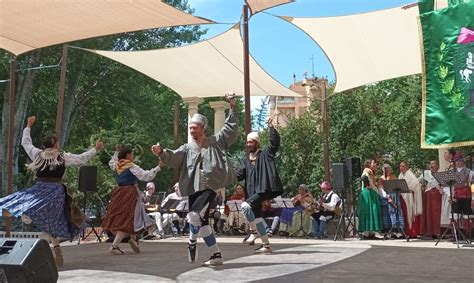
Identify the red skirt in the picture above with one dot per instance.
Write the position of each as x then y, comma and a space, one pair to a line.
432, 212
121, 210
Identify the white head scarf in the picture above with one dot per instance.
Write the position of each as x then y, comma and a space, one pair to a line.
199, 119
253, 136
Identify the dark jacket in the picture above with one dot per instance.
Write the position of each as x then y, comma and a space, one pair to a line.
263, 177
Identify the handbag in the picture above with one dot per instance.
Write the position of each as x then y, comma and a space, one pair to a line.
74, 214
463, 192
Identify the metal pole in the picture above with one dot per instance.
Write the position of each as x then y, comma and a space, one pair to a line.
248, 127
176, 135
326, 134
11, 128
62, 87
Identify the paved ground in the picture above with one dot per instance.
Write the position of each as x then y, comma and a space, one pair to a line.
293, 259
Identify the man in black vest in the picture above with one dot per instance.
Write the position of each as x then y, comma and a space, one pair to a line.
261, 182
326, 210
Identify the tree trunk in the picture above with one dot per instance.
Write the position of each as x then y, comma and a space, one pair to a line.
23, 93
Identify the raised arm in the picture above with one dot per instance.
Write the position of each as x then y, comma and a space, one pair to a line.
71, 159
144, 175
228, 134
113, 161
274, 138
26, 141
171, 158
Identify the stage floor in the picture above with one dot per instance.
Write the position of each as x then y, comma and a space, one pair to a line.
292, 260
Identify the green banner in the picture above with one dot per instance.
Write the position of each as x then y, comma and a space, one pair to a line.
448, 76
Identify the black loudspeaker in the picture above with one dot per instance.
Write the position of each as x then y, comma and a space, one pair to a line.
88, 178
26, 260
354, 168
340, 176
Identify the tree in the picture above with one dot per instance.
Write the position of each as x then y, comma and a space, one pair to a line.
375, 121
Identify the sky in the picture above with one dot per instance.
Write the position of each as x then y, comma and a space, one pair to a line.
279, 47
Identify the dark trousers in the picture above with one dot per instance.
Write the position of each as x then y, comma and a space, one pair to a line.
200, 202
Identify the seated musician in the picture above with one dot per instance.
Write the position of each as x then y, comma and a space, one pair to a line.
268, 211
304, 198
236, 219
162, 218
326, 208
302, 202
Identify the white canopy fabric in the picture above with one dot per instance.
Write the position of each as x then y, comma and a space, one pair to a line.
260, 5
26, 25
208, 68
369, 47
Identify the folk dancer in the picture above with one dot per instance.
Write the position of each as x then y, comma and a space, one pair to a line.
44, 204
262, 182
204, 168
126, 215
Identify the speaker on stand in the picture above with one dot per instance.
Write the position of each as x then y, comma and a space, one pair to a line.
340, 181
26, 260
354, 166
88, 183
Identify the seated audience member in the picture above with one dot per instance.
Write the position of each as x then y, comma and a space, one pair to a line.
150, 207
236, 219
149, 191
326, 210
215, 213
271, 212
162, 218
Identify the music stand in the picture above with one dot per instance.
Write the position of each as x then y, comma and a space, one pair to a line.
284, 203
397, 186
170, 204
301, 228
235, 206
449, 178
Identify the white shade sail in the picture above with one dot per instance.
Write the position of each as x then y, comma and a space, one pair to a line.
260, 5
369, 47
208, 68
26, 25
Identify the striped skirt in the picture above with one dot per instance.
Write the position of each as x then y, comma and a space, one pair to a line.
45, 204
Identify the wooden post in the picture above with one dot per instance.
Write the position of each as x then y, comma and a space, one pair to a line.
248, 127
11, 128
62, 87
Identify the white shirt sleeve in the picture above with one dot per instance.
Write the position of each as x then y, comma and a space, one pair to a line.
27, 144
144, 175
113, 161
71, 159
332, 204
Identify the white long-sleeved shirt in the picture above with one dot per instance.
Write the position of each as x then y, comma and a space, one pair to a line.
331, 205
142, 175
70, 159
431, 182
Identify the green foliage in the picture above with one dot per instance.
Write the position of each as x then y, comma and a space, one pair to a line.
375, 121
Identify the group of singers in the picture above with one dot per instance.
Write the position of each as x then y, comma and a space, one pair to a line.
424, 210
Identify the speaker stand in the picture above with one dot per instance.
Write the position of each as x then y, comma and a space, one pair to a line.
89, 224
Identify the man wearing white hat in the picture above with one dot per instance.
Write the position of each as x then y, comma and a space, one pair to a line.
262, 183
204, 167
